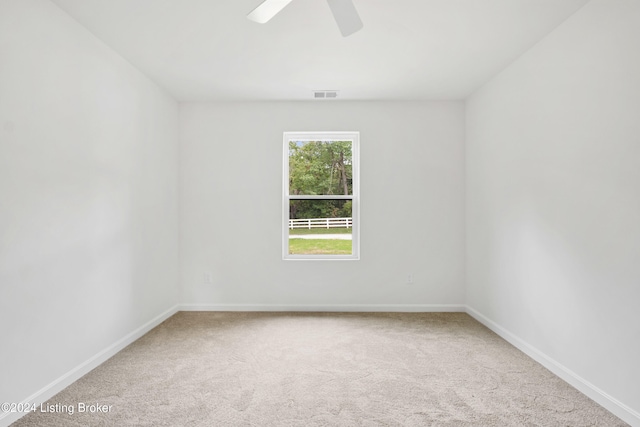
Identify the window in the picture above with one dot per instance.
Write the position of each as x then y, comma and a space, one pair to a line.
321, 196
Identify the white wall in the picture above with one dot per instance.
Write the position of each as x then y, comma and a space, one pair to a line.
411, 205
88, 197
553, 197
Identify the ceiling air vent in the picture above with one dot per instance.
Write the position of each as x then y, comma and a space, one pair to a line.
325, 94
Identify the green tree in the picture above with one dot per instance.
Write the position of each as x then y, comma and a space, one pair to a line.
320, 168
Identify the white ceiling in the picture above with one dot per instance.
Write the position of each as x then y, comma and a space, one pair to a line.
202, 50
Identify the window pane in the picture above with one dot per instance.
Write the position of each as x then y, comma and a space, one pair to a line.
320, 227
320, 168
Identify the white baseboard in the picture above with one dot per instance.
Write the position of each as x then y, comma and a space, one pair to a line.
614, 406
418, 308
76, 373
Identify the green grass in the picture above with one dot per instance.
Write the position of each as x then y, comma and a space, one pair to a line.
320, 247
319, 231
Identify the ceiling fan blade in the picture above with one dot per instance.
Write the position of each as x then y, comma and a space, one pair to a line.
346, 16
267, 10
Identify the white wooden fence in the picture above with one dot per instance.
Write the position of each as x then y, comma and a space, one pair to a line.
321, 223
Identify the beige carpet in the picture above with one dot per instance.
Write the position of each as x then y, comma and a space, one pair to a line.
323, 369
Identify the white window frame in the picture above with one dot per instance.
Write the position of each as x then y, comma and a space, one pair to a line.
354, 137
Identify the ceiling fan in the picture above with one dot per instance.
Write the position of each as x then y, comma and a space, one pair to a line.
344, 12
